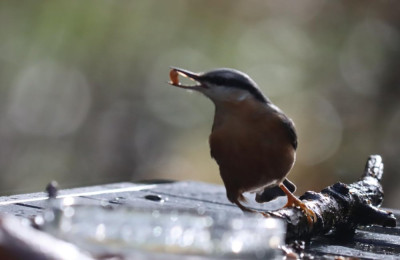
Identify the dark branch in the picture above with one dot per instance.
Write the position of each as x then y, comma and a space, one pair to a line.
341, 207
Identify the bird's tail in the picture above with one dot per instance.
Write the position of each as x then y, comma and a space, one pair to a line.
271, 193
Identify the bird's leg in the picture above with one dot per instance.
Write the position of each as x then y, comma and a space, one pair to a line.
293, 202
237, 198
245, 209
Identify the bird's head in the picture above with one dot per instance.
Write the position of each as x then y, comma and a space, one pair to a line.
220, 85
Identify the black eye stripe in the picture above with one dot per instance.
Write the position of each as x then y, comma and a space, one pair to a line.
229, 82
244, 84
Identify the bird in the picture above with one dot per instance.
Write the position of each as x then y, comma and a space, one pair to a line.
253, 142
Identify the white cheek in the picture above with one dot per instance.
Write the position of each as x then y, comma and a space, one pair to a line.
242, 95
219, 93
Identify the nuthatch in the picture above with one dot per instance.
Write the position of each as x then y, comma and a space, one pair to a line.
253, 142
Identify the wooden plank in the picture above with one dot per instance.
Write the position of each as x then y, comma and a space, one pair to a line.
75, 192
29, 205
368, 242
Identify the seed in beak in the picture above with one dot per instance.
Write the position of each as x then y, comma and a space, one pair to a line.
173, 75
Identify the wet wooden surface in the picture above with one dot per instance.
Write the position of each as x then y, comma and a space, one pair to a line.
368, 243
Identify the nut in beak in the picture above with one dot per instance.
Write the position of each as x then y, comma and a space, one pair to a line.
174, 78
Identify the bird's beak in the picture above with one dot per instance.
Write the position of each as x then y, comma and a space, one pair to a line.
174, 79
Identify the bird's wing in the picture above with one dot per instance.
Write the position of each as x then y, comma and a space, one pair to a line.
289, 126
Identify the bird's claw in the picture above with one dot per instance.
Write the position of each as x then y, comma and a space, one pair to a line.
295, 202
310, 214
265, 214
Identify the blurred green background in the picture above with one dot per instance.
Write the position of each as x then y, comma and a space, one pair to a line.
84, 99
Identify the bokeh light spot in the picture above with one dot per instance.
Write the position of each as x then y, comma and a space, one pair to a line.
318, 125
49, 100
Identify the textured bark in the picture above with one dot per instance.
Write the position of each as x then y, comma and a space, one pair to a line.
341, 207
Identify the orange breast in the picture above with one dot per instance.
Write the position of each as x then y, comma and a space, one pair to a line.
251, 149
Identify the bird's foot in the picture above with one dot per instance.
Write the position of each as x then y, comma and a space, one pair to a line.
310, 214
295, 202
